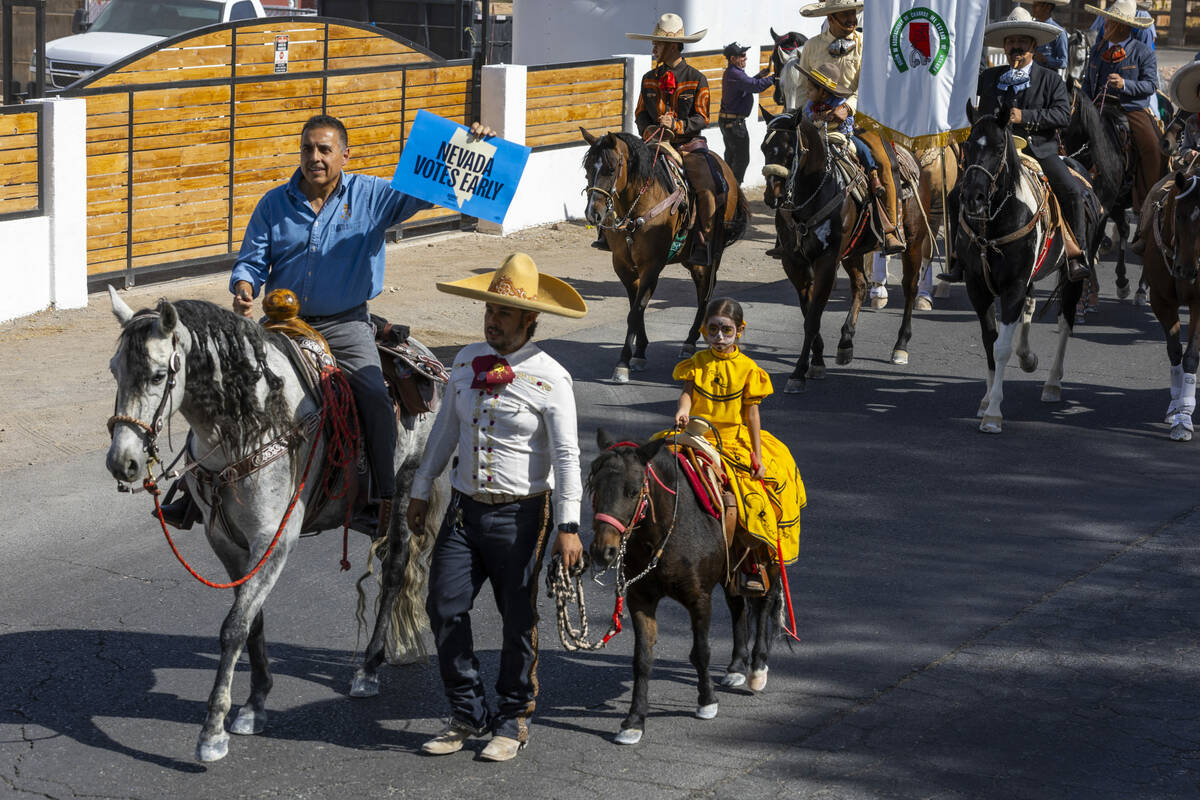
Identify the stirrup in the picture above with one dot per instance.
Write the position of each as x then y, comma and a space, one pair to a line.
182, 513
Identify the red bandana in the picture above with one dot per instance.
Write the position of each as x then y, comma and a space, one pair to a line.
1114, 54
491, 371
667, 83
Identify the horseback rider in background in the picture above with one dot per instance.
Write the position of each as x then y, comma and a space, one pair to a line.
1052, 54
842, 44
672, 109
1040, 108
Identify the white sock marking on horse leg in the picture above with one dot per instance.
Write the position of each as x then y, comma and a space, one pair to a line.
1002, 350
1052, 390
1176, 390
878, 268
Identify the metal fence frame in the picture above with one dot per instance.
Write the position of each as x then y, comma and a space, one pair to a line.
40, 110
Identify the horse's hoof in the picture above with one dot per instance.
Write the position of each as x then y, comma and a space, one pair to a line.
794, 386
816, 372
249, 722
924, 303
214, 749
687, 350
942, 289
1123, 292
364, 685
1139, 299
991, 424
1051, 394
1180, 433
637, 364
983, 407
900, 357
706, 712
621, 375
629, 736
1029, 363
733, 680
758, 679
845, 355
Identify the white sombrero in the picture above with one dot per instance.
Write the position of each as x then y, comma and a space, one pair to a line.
828, 7
1123, 11
669, 28
519, 284
1019, 23
1185, 88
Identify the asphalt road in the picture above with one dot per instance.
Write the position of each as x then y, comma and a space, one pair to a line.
1006, 616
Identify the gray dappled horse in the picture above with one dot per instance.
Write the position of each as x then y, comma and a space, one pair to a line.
237, 389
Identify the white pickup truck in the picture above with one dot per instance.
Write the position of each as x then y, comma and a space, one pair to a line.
126, 26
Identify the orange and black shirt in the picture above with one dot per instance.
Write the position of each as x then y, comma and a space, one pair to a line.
684, 93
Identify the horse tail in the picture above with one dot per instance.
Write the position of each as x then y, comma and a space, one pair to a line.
741, 219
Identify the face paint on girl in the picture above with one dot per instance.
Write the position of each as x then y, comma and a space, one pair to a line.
721, 333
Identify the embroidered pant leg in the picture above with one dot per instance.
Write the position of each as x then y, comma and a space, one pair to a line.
1069, 193
737, 146
879, 150
352, 340
1148, 156
700, 177
513, 543
456, 573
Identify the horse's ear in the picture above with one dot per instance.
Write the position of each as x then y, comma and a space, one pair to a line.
775, 36
168, 318
120, 308
766, 115
1004, 114
970, 112
649, 450
587, 137
603, 440
1181, 181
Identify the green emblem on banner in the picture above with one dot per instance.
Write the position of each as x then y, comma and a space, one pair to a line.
925, 36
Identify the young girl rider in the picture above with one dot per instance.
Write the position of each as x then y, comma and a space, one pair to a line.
725, 387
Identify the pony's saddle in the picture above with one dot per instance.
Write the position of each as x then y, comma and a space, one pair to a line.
905, 171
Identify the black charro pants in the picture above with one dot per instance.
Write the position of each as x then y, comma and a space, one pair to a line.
351, 339
1070, 196
737, 146
502, 544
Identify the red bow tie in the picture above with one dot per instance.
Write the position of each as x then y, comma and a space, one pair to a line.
1114, 54
491, 371
667, 83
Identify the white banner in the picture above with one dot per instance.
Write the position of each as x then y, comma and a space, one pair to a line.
920, 67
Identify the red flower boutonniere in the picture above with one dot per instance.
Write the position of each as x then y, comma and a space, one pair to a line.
666, 83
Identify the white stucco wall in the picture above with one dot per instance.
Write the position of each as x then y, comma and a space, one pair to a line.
27, 270
551, 31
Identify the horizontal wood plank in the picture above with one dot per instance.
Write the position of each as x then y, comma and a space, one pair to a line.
540, 116
275, 90
180, 255
14, 124
568, 75
162, 76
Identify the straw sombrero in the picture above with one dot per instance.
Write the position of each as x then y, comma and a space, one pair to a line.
1052, 2
1019, 23
669, 28
1123, 11
519, 284
1185, 88
827, 7
829, 77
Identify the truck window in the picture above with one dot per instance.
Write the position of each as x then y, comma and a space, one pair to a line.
243, 9
157, 17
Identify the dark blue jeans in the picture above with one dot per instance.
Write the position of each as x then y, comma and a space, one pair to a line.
351, 338
503, 544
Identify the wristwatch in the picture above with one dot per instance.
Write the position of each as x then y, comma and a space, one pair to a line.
568, 527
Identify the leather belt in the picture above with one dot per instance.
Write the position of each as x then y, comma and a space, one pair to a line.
503, 498
726, 115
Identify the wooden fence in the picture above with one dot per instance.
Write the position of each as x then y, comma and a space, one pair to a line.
182, 142
21, 153
562, 97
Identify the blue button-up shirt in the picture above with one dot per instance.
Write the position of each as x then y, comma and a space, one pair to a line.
333, 260
738, 90
1139, 69
1055, 52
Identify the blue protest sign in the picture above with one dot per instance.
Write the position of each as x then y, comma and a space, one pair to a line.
477, 178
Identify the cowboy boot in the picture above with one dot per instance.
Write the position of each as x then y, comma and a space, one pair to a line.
181, 513
893, 239
601, 243
1077, 269
876, 185
777, 250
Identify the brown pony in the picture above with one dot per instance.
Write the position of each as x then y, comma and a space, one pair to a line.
632, 199
1171, 227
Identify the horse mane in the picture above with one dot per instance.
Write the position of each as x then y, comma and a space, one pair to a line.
227, 358
1105, 159
642, 163
818, 160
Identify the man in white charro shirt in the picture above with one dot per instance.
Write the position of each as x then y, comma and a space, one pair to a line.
509, 413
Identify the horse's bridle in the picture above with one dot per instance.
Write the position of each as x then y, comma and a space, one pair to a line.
644, 502
154, 427
993, 181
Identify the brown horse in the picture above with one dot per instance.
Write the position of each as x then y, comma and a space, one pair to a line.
1171, 227
821, 225
632, 198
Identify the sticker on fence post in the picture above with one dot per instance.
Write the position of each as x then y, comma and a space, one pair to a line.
443, 164
281, 53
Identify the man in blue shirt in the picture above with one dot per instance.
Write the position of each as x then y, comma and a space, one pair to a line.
1144, 35
1052, 55
738, 91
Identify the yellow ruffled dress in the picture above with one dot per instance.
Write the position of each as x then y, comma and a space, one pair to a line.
722, 384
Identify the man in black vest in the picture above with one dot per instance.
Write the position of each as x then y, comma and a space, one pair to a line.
1040, 107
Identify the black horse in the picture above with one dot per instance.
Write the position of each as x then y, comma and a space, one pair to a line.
1006, 243
650, 524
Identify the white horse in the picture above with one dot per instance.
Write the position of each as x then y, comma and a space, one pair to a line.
237, 389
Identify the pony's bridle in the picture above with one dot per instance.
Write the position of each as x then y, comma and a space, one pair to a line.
154, 427
644, 504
